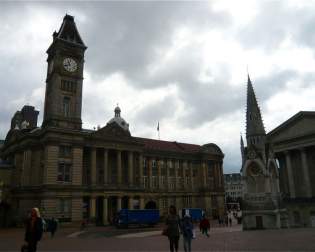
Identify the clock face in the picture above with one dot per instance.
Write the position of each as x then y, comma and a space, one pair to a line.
70, 64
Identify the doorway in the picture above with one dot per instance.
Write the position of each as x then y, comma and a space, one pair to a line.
259, 222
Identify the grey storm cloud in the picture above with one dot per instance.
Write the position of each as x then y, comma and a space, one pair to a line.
128, 38
277, 21
149, 115
121, 37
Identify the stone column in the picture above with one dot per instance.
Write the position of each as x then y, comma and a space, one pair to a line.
204, 174
221, 181
92, 208
141, 203
215, 175
306, 176
93, 166
140, 170
130, 168
208, 205
185, 167
118, 203
290, 174
191, 174
51, 164
105, 211
178, 202
77, 166
130, 202
176, 170
167, 173
106, 166
119, 171
149, 165
159, 175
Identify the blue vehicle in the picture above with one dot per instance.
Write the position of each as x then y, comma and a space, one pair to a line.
139, 217
195, 213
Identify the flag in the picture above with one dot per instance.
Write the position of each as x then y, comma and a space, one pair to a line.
158, 127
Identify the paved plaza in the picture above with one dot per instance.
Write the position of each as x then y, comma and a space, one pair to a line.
111, 239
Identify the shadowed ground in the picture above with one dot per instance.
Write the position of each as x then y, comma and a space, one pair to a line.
149, 239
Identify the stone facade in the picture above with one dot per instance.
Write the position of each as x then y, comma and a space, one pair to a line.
294, 145
73, 173
262, 204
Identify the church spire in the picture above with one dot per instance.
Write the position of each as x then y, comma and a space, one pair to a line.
242, 150
254, 124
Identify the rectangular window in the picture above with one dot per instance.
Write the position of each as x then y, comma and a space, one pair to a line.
66, 106
209, 169
64, 206
64, 172
154, 168
180, 169
65, 151
145, 168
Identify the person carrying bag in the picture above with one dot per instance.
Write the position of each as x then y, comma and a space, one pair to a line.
172, 228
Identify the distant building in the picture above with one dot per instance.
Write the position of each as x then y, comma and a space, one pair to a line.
294, 145
73, 173
233, 189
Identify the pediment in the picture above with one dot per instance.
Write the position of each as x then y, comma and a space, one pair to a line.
112, 130
301, 124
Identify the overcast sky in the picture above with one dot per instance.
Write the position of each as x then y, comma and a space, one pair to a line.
183, 64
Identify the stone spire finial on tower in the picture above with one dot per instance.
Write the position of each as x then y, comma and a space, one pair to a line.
254, 125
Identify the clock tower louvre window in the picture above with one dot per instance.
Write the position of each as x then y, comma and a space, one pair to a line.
68, 86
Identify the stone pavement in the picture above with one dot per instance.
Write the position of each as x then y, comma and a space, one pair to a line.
111, 239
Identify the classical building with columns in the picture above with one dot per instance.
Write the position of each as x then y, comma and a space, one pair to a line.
294, 146
73, 173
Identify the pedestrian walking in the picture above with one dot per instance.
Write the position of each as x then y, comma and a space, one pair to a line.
172, 228
226, 220
230, 216
204, 226
33, 231
53, 226
187, 230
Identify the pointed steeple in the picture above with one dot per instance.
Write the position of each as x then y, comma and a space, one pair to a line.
254, 124
68, 32
242, 150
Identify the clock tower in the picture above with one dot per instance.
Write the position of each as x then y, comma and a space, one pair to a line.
63, 97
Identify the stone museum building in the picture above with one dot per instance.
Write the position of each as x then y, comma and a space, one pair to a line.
294, 146
73, 173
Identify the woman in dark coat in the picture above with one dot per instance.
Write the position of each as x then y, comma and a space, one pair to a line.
173, 226
33, 230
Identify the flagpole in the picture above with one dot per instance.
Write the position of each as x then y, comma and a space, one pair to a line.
158, 129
